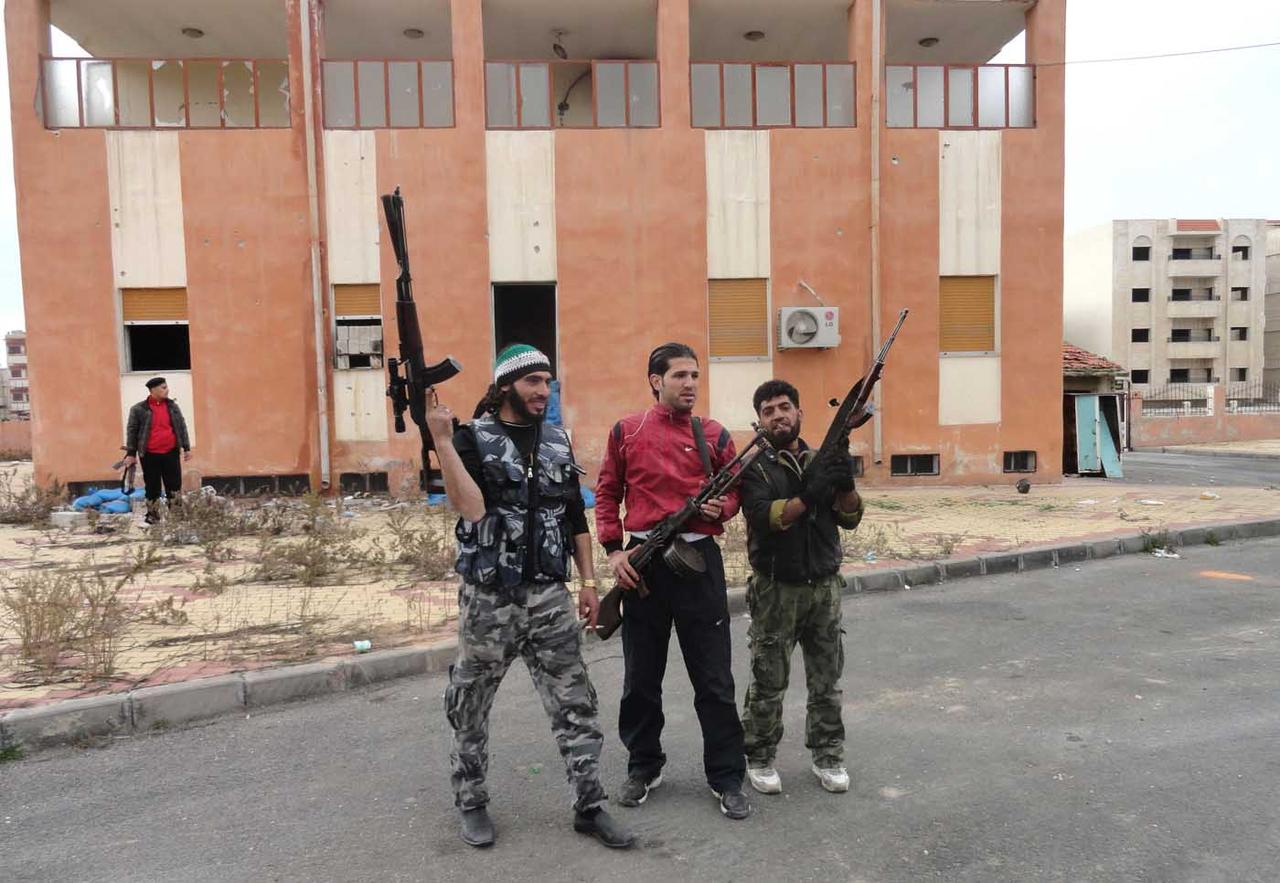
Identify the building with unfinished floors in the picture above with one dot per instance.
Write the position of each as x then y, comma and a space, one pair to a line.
771, 183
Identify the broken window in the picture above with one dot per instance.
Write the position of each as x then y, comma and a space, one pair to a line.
1239, 332
913, 464
157, 336
1241, 293
1239, 374
357, 339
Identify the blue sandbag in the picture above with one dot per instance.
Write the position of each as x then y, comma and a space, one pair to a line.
110, 495
588, 497
88, 501
137, 493
116, 507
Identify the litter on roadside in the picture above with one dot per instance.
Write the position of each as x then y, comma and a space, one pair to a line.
1086, 502
1210, 495
1164, 553
1151, 502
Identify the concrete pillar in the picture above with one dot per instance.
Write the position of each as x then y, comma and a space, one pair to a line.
467, 21
673, 62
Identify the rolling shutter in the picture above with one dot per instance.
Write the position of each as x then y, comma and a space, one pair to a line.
154, 304
357, 300
967, 314
738, 318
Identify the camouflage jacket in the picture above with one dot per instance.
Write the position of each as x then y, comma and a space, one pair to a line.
492, 551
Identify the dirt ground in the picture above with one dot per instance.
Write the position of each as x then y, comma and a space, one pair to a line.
233, 585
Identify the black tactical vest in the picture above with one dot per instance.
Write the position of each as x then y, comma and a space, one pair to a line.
493, 550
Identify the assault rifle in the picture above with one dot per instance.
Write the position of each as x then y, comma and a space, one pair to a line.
664, 540
854, 410
412, 380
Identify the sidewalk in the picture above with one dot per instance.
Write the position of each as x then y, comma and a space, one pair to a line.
357, 573
1261, 448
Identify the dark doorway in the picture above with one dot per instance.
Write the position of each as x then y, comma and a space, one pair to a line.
525, 313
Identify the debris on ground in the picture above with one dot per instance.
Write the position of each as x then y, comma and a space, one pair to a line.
1151, 502
1210, 495
1164, 553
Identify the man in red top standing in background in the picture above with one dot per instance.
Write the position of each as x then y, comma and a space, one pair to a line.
156, 431
653, 463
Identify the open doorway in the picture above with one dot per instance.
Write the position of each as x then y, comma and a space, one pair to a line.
525, 312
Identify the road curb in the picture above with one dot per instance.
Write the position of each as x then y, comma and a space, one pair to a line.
1239, 455
86, 720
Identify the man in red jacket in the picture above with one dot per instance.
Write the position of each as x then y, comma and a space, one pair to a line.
654, 461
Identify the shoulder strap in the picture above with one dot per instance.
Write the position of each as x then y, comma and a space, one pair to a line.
700, 439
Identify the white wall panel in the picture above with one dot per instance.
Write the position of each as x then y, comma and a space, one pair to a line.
737, 204
360, 405
144, 183
968, 203
968, 390
352, 211
732, 385
133, 389
522, 206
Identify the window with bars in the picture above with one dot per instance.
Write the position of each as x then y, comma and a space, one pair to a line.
156, 330
913, 464
967, 314
1019, 461
746, 95
993, 96
414, 94
571, 94
738, 318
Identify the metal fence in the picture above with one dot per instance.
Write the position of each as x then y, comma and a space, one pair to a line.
1178, 400
1253, 397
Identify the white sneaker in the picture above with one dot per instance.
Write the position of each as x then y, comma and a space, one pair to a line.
834, 779
765, 779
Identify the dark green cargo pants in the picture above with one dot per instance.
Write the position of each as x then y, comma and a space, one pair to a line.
783, 615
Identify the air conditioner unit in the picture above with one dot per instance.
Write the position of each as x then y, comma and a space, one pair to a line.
808, 327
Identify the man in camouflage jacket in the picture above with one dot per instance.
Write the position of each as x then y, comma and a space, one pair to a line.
794, 505
514, 481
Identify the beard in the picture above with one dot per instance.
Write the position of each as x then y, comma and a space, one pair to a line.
784, 439
521, 409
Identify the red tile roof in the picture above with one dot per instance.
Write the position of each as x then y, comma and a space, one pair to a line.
1197, 226
1076, 361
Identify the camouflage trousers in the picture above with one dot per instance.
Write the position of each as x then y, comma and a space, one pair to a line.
783, 615
537, 622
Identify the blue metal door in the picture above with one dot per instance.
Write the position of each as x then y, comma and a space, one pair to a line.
1087, 453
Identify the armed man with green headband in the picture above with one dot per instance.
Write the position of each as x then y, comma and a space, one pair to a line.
514, 481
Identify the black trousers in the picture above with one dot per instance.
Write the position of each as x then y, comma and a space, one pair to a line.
698, 608
166, 469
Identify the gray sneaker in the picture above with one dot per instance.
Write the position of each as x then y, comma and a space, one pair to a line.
635, 790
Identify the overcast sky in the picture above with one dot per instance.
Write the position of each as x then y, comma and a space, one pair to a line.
1195, 136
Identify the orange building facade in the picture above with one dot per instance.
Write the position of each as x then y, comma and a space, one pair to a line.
198, 199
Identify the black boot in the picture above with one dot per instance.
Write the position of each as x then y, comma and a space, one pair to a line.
477, 827
602, 826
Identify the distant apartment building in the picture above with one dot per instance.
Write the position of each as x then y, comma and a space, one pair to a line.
1173, 301
769, 182
19, 382
1271, 336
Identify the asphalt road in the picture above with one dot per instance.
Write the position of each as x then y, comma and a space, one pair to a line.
1198, 470
1115, 721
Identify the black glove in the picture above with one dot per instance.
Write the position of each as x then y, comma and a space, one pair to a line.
818, 490
841, 474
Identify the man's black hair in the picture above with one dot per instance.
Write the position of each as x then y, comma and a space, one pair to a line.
771, 389
660, 359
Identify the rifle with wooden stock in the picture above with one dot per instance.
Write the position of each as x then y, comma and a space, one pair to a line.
855, 409
664, 540
412, 380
